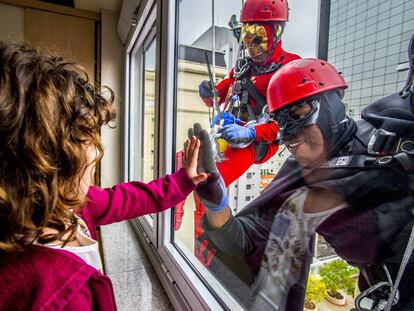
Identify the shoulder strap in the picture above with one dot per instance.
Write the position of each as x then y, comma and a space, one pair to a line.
259, 99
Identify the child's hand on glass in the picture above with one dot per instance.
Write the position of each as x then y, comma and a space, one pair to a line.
190, 158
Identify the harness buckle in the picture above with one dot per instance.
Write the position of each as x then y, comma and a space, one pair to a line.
385, 160
379, 141
405, 145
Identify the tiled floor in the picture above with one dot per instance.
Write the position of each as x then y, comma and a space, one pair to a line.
135, 283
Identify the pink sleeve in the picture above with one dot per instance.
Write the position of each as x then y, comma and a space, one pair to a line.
82, 300
133, 199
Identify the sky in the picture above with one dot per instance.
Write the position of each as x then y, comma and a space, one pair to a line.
300, 35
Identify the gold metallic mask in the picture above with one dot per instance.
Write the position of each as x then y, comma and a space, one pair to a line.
255, 38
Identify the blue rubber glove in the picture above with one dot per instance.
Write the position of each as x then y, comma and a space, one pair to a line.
227, 118
235, 133
205, 90
212, 192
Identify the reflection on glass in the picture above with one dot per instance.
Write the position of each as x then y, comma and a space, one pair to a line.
148, 141
135, 118
142, 114
195, 38
262, 257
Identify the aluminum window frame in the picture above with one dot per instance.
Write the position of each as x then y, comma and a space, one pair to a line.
143, 35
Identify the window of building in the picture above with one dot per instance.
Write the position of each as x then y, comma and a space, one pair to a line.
166, 62
143, 121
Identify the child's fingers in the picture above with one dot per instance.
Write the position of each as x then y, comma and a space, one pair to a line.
190, 147
194, 156
186, 147
193, 143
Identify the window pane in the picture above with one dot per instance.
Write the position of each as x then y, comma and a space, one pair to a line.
195, 40
143, 117
142, 120
149, 113
229, 276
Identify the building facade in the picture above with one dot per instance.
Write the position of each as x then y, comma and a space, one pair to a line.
367, 41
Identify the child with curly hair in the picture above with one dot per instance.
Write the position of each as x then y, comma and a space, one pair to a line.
50, 120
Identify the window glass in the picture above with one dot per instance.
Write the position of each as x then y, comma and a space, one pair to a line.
362, 51
379, 51
194, 44
149, 113
142, 121
225, 276
143, 118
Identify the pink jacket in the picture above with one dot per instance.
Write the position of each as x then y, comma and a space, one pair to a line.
43, 278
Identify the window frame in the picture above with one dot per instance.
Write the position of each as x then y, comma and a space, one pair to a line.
137, 47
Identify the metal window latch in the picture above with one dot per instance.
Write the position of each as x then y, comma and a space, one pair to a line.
134, 20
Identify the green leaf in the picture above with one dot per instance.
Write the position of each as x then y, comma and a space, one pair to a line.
338, 275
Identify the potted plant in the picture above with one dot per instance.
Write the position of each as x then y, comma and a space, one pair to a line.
315, 292
337, 276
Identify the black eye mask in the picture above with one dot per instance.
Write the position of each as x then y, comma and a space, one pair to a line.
290, 125
328, 112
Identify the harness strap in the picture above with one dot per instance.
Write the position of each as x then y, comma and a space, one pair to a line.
260, 150
364, 161
259, 99
406, 161
244, 68
245, 103
358, 161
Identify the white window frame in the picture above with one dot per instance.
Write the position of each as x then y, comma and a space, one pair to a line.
143, 35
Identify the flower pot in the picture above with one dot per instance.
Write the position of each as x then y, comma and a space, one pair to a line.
308, 306
338, 300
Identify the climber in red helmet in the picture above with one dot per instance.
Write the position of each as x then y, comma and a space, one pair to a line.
263, 22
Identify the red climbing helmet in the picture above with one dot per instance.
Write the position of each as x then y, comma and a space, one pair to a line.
264, 11
300, 79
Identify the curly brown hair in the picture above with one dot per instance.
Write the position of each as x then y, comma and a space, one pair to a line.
48, 114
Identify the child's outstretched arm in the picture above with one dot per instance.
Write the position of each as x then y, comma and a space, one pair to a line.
133, 199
